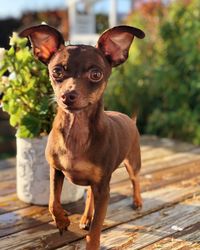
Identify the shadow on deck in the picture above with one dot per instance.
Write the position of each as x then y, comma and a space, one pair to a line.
170, 218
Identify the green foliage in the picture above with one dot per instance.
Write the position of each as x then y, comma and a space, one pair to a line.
27, 90
178, 91
161, 79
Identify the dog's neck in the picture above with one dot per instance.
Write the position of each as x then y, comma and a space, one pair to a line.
80, 128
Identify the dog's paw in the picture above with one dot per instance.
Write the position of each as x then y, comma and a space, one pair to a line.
85, 223
137, 205
61, 220
62, 224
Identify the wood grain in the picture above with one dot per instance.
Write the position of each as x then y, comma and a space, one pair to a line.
170, 181
136, 234
119, 212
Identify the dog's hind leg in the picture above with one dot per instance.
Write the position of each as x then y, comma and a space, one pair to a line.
133, 165
88, 212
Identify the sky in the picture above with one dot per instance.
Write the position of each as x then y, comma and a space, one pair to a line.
14, 8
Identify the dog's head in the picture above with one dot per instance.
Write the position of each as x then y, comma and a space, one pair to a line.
79, 73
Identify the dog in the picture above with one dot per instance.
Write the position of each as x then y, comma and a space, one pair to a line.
86, 143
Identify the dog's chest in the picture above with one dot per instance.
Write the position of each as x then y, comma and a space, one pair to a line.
80, 171
73, 160
68, 147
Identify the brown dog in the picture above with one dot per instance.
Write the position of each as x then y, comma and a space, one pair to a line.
86, 143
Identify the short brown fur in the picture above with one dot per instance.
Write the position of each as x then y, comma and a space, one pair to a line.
86, 143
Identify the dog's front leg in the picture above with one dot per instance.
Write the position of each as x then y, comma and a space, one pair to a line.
101, 197
58, 213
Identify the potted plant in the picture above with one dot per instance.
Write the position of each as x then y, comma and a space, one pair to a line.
28, 99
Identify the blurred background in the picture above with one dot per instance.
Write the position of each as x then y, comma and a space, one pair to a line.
160, 82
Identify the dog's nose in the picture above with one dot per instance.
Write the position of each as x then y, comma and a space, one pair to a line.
69, 98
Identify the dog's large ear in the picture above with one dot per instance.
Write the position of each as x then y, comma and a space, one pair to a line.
45, 41
115, 43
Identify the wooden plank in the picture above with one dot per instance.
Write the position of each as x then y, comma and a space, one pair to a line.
162, 151
7, 187
156, 153
154, 148
118, 197
155, 226
8, 163
188, 238
10, 203
153, 164
40, 238
153, 200
31, 216
147, 142
171, 161
174, 162
165, 177
156, 180
121, 175
155, 145
21, 219
44, 237
139, 233
7, 174
156, 142
150, 142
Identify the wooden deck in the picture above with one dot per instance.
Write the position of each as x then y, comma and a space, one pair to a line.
170, 218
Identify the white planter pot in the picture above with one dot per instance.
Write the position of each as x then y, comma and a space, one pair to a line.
33, 174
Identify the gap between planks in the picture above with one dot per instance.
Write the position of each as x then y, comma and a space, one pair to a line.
187, 239
176, 159
194, 153
157, 179
139, 233
47, 235
153, 147
118, 191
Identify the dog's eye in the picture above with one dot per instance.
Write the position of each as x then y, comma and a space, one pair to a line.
58, 72
95, 75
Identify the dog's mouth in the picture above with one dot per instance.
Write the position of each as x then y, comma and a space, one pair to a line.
73, 109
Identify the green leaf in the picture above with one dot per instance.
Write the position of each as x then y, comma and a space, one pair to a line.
14, 120
29, 127
26, 91
11, 52
23, 55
